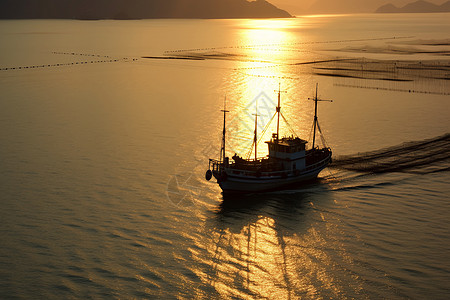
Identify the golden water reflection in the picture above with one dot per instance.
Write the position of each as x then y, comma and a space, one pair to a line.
270, 48
262, 256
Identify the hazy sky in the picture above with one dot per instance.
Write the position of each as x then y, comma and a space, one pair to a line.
298, 7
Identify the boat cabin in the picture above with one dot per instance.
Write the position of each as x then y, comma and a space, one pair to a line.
290, 151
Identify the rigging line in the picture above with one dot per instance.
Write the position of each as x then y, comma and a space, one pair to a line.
249, 153
287, 123
265, 128
321, 134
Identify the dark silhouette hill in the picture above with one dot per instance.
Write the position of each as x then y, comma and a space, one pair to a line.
138, 9
419, 6
351, 6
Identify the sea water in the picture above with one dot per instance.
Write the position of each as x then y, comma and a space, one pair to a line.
103, 154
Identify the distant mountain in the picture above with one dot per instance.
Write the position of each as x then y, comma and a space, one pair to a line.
419, 6
138, 9
334, 6
348, 6
387, 8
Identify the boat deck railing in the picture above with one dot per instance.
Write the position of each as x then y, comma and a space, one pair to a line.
233, 169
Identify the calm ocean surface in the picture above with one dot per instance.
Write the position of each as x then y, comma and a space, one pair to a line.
103, 155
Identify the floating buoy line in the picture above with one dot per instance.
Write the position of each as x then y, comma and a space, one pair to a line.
415, 91
80, 54
286, 44
271, 77
104, 59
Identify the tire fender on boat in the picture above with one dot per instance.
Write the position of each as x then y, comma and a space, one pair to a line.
208, 175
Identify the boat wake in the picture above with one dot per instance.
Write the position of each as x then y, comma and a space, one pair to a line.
422, 157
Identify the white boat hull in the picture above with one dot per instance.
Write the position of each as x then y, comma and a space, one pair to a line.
236, 184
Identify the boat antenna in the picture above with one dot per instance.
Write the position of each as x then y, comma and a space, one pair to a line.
279, 109
222, 149
315, 99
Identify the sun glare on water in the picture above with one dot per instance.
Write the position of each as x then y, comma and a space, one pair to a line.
268, 48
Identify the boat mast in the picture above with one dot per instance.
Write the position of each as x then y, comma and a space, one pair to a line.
315, 117
315, 114
255, 140
278, 110
222, 149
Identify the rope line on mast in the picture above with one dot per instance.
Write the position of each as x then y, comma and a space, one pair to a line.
322, 137
249, 153
289, 126
261, 137
265, 128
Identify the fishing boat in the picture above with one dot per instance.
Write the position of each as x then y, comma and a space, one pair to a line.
288, 163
